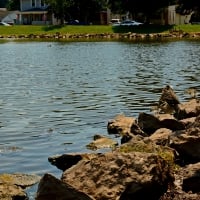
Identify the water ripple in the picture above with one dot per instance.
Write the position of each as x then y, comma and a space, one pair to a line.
53, 100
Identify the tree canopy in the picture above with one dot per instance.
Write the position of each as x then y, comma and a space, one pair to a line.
135, 6
59, 7
189, 4
86, 10
82, 10
3, 3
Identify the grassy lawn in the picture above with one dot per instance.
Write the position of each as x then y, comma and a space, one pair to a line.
25, 29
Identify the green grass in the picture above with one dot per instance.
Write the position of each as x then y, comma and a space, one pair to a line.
189, 28
92, 29
158, 29
22, 29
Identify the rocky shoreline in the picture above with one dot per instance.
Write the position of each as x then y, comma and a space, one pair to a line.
107, 36
158, 158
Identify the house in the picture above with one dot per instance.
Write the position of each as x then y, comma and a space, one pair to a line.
172, 15
183, 16
8, 16
34, 12
3, 13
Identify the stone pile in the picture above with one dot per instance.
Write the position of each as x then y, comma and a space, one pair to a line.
106, 36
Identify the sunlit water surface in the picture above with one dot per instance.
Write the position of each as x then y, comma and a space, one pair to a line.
55, 96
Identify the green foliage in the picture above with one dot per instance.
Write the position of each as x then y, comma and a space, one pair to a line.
13, 5
134, 6
149, 7
3, 3
82, 10
163, 152
58, 7
189, 4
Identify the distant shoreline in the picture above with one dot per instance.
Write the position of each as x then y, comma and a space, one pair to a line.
102, 36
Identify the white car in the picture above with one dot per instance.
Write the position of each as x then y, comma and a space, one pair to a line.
4, 24
130, 23
115, 21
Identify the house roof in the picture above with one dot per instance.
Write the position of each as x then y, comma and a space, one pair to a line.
35, 11
3, 14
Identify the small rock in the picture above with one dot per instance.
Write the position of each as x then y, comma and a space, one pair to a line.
101, 142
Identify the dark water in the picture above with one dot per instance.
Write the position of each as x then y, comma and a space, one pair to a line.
55, 96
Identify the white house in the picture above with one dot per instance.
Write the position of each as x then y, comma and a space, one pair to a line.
34, 12
172, 15
8, 16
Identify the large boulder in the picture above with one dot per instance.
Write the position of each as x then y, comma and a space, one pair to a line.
161, 136
191, 178
51, 188
124, 126
186, 184
120, 125
118, 175
187, 142
189, 109
150, 123
66, 161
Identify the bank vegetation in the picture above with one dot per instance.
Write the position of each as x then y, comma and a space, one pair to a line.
94, 29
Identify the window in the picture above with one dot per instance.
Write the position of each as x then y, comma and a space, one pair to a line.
42, 3
33, 3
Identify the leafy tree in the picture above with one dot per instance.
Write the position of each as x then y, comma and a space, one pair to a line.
147, 7
58, 7
83, 10
189, 4
193, 5
13, 4
116, 6
3, 3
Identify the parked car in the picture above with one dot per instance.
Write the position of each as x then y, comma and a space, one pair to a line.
4, 24
75, 22
130, 23
195, 22
115, 21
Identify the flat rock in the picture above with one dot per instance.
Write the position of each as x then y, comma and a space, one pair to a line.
101, 142
12, 185
22, 180
120, 125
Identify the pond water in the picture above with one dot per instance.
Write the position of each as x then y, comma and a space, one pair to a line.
54, 96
